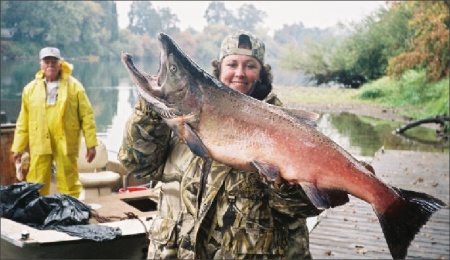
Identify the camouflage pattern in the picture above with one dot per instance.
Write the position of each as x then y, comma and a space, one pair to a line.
239, 215
230, 45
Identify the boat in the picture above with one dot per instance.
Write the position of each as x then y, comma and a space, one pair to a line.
130, 208
19, 241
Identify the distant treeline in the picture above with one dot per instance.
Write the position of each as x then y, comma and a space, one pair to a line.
403, 35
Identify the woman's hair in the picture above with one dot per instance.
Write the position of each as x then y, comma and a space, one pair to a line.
265, 74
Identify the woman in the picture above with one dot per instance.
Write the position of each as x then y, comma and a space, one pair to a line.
241, 215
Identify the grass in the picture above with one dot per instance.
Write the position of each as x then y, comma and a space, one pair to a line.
412, 91
318, 95
412, 94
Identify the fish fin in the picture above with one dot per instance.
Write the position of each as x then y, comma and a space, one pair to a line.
269, 170
315, 195
194, 142
324, 198
336, 197
403, 220
368, 167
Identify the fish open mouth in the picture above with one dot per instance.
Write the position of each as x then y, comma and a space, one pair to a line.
151, 82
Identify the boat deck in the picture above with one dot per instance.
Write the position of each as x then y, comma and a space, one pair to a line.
352, 231
54, 244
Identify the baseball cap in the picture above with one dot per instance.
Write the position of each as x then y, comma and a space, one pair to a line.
231, 43
49, 52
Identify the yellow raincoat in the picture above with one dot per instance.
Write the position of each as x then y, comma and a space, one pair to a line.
55, 133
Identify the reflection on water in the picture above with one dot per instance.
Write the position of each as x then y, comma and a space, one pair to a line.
363, 136
113, 96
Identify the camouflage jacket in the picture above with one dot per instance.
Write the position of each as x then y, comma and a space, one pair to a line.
239, 214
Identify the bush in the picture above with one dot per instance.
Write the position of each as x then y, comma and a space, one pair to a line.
413, 91
371, 93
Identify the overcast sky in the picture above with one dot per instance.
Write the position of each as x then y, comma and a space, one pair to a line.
319, 14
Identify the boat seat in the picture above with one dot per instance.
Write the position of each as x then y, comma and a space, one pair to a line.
94, 177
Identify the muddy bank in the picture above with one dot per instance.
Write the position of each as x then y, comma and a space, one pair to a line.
371, 110
332, 100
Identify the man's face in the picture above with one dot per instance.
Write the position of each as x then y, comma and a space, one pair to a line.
51, 67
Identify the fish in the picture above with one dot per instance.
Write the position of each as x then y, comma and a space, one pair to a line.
222, 124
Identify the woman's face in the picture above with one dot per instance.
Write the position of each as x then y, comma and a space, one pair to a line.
239, 72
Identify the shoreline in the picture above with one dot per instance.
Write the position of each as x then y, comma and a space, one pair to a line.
338, 100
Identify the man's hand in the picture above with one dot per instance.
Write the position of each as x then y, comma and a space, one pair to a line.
90, 154
17, 157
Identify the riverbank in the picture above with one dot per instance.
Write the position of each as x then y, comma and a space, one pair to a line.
336, 100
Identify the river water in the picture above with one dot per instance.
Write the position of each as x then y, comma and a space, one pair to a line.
113, 96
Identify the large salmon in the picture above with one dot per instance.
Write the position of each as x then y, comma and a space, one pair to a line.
219, 123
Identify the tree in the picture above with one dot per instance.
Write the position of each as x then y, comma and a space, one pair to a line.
143, 18
39, 23
362, 54
249, 17
78, 28
216, 13
429, 44
168, 20
109, 25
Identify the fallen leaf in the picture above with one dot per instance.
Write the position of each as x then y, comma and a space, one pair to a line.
360, 249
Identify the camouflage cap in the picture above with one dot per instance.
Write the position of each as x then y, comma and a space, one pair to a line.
231, 43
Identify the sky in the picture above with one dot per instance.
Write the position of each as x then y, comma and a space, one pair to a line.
320, 14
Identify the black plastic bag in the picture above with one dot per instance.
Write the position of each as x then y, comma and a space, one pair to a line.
16, 196
92, 232
21, 202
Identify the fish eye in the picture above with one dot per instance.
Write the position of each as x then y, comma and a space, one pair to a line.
173, 68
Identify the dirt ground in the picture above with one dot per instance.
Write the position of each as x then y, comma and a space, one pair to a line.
375, 111
389, 114
334, 100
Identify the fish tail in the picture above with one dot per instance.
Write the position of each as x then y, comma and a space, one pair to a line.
403, 220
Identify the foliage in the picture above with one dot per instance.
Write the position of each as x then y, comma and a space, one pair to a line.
297, 33
144, 19
248, 17
429, 44
359, 53
321, 59
88, 26
217, 13
413, 91
379, 37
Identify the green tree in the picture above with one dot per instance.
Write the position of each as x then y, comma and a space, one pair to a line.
78, 28
216, 13
168, 20
361, 54
143, 18
109, 25
39, 22
428, 45
249, 17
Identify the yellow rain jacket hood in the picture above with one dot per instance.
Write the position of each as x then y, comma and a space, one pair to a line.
74, 110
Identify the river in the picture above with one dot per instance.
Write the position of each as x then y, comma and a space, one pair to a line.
113, 96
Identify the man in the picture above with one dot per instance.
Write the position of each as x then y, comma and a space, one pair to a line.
54, 110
